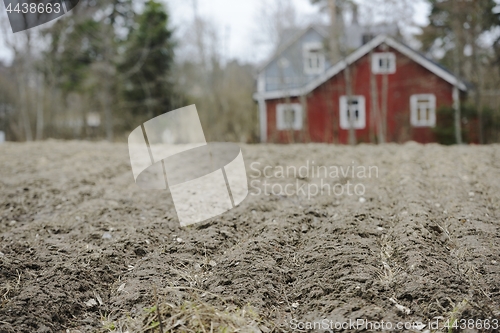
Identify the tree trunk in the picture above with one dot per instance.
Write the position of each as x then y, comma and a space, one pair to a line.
24, 89
457, 116
290, 131
336, 54
385, 96
107, 102
374, 114
477, 69
24, 111
334, 32
456, 90
39, 109
305, 125
348, 88
108, 112
479, 106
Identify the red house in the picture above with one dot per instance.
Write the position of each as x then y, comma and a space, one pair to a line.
394, 92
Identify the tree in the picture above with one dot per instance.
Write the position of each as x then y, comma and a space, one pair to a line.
397, 13
80, 64
277, 20
338, 51
148, 62
222, 90
454, 35
22, 70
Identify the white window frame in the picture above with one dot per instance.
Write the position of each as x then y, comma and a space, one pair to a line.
281, 125
379, 56
319, 56
359, 123
416, 109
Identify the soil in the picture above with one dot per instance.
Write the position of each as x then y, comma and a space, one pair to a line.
83, 249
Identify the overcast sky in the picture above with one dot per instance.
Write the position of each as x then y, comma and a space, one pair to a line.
235, 20
240, 17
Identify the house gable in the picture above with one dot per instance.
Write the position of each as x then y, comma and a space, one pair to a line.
285, 70
358, 54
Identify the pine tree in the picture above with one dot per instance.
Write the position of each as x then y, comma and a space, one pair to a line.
147, 63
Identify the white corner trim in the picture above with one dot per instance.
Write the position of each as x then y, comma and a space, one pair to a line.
261, 82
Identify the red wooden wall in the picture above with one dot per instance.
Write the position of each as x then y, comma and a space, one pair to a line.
323, 104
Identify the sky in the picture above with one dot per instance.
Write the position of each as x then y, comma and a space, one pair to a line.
240, 17
235, 20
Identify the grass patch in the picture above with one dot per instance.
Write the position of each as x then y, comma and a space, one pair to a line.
192, 315
202, 317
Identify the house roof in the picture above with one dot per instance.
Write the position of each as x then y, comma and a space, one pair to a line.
419, 58
292, 36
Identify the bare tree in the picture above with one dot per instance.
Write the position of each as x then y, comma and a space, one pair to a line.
335, 31
375, 117
221, 88
23, 68
456, 64
276, 19
350, 114
338, 52
40, 103
278, 23
398, 13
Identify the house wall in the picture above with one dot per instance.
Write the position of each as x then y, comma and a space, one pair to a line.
323, 104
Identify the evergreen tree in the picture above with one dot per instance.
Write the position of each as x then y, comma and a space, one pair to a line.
458, 24
147, 63
454, 34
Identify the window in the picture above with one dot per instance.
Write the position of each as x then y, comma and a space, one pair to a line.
353, 113
423, 110
314, 59
289, 116
384, 63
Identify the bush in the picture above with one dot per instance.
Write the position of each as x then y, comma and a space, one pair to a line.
445, 125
